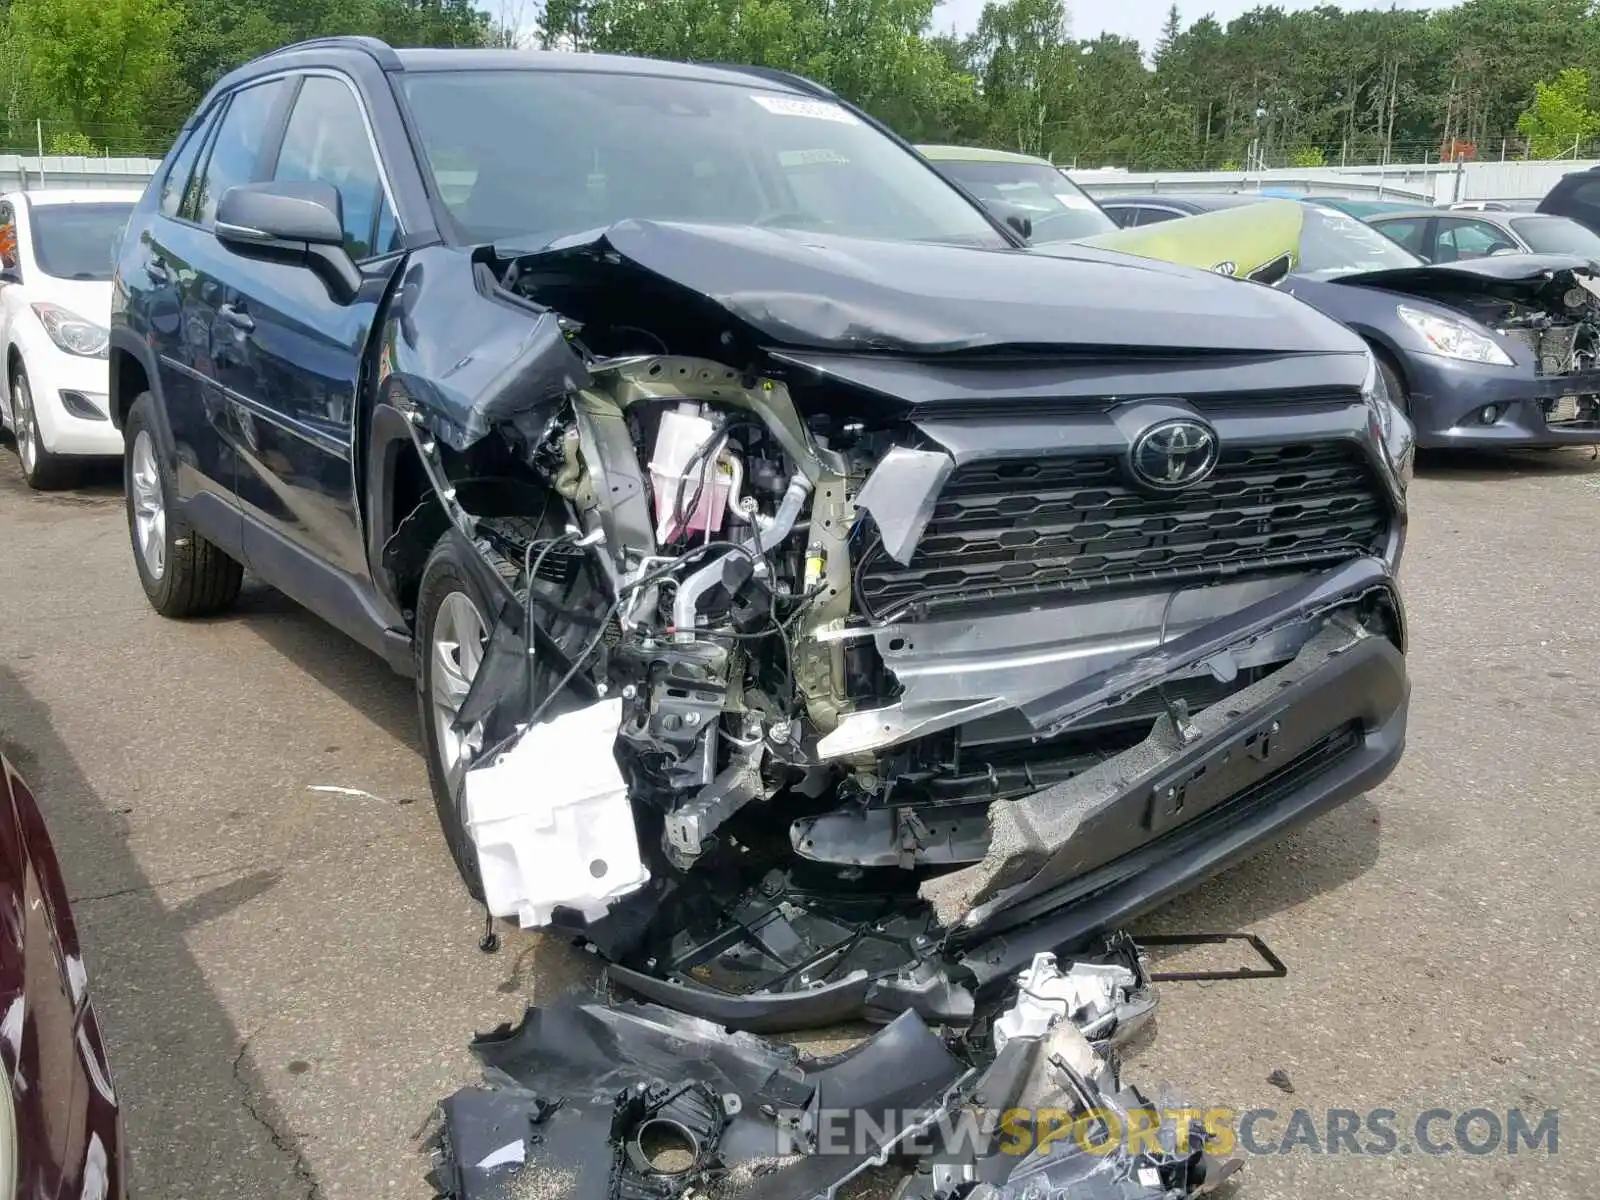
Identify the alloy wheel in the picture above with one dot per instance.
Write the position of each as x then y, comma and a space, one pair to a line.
149, 510
22, 418
459, 638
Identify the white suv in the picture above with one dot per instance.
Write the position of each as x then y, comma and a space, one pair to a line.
57, 252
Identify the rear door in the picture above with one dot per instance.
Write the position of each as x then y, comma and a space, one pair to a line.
1414, 233
298, 382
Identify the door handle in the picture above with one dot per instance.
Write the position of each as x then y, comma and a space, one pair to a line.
236, 316
157, 271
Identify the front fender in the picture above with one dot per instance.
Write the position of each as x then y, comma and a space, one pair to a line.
125, 348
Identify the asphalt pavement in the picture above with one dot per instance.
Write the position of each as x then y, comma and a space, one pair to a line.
288, 972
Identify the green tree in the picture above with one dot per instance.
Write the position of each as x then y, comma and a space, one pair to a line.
1171, 31
1559, 120
1024, 65
96, 65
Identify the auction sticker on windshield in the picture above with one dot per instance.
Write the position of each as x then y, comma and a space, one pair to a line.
817, 110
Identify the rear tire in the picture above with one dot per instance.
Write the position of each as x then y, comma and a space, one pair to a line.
183, 574
45, 472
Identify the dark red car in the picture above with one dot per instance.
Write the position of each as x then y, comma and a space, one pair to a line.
60, 1123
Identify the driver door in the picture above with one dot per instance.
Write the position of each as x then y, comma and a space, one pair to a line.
297, 382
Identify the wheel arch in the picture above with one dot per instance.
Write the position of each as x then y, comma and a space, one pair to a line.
399, 494
131, 372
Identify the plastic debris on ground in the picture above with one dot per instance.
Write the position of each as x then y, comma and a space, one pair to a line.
608, 1100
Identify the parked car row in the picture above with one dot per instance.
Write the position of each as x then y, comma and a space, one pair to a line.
1486, 324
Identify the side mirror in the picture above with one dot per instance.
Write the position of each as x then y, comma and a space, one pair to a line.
1022, 224
1019, 221
290, 222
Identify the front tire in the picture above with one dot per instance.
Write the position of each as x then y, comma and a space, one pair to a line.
45, 472
183, 574
452, 633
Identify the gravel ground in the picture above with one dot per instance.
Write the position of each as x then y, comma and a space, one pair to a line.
288, 973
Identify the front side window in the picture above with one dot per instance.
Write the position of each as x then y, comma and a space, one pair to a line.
326, 142
78, 241
1459, 240
236, 150
532, 156
1057, 207
176, 181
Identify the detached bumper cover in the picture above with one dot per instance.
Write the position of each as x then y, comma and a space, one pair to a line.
1298, 721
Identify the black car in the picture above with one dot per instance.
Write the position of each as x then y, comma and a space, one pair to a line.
1575, 195
804, 583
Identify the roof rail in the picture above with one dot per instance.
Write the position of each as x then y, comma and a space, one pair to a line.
377, 48
799, 82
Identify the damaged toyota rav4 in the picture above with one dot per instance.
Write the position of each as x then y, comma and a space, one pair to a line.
818, 604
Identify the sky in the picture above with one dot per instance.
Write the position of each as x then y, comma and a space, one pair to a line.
1142, 19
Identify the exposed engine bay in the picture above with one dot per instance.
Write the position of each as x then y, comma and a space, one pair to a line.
1552, 311
811, 671
1556, 316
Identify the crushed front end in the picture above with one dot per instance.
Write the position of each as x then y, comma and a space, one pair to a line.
1522, 368
829, 657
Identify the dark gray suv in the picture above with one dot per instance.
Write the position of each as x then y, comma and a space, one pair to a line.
805, 585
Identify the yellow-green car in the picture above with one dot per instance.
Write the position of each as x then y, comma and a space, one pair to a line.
1261, 241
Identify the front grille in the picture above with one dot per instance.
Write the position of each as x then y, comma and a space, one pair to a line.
1073, 526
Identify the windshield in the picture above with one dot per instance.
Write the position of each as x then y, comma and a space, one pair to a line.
537, 155
1557, 235
78, 241
1333, 244
1060, 212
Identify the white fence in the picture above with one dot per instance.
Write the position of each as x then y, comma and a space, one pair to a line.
1425, 183
29, 173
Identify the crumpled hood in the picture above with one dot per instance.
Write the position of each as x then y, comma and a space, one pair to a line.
817, 291
1502, 275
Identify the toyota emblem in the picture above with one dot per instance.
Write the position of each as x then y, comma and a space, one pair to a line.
1174, 454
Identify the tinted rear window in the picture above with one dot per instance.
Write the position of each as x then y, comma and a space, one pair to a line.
78, 241
1557, 235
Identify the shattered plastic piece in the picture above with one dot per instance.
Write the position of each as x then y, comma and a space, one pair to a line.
551, 821
585, 1086
1090, 995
